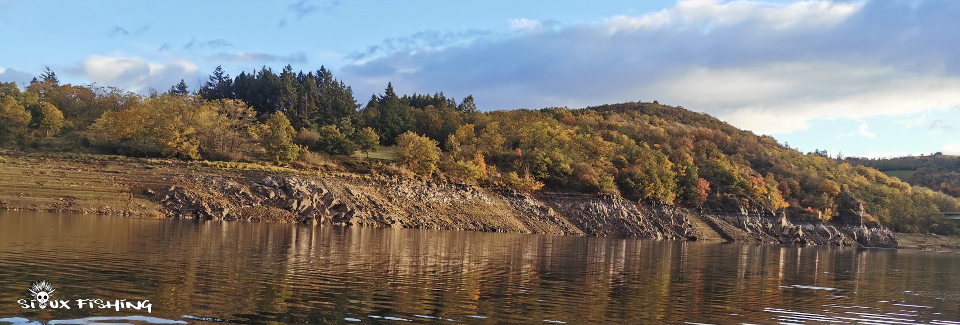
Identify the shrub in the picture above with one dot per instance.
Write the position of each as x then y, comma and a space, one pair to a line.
306, 137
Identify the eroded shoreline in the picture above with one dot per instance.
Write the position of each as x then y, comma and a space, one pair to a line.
165, 188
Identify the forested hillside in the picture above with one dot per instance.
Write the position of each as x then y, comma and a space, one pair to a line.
647, 152
936, 171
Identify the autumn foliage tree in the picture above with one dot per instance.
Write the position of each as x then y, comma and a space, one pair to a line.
418, 153
14, 118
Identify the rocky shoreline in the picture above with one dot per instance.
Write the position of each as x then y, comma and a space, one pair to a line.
386, 201
138, 187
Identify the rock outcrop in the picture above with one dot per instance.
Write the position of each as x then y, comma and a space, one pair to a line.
383, 201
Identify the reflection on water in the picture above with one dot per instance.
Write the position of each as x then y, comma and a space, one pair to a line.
264, 273
96, 320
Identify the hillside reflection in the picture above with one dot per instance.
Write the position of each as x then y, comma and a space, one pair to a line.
284, 273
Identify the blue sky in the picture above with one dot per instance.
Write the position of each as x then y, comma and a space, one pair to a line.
874, 78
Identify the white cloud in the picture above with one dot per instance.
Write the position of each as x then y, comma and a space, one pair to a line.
863, 130
770, 68
951, 149
711, 13
256, 57
2, 70
136, 74
525, 25
782, 98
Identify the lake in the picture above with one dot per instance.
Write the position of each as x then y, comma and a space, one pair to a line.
203, 272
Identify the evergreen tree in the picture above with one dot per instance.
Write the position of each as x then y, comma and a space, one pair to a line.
180, 89
393, 115
467, 105
304, 111
288, 90
48, 76
218, 86
337, 99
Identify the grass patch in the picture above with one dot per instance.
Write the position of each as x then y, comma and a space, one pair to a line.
243, 166
902, 174
384, 153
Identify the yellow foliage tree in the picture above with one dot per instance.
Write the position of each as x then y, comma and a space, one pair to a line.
419, 153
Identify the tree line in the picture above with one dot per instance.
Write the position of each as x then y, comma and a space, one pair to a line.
645, 152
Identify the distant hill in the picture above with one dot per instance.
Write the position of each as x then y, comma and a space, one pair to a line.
937, 171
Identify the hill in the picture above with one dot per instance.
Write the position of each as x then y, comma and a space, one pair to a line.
648, 153
936, 171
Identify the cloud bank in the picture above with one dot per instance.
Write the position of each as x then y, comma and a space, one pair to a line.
136, 74
771, 68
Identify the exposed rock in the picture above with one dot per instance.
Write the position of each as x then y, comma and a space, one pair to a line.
407, 203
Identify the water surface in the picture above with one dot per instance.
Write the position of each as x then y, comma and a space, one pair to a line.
269, 273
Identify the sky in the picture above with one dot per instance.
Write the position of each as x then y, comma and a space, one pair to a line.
858, 78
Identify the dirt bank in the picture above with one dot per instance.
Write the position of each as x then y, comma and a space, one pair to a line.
127, 186
928, 242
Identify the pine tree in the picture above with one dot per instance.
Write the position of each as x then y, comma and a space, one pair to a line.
467, 105
218, 86
180, 89
394, 115
50, 77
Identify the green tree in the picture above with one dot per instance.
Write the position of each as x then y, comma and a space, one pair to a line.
467, 105
218, 86
419, 153
368, 140
49, 76
389, 115
336, 98
333, 142
651, 178
180, 89
278, 141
